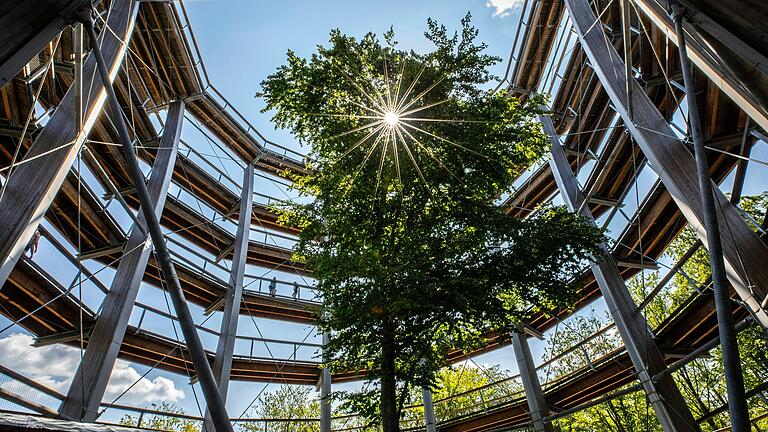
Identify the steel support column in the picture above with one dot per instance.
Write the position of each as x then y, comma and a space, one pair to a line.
36, 181
222, 366
744, 253
325, 391
734, 380
90, 381
534, 395
669, 405
197, 352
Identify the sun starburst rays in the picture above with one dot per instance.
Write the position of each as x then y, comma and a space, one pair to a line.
389, 122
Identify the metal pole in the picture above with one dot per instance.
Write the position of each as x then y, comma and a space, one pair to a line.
737, 400
196, 350
325, 390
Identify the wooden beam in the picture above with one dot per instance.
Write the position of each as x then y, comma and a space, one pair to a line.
222, 366
712, 70
700, 20
216, 305
745, 254
101, 252
90, 382
647, 264
669, 405
62, 337
534, 395
608, 202
33, 184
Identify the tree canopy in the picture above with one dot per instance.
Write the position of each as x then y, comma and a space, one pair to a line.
410, 157
296, 407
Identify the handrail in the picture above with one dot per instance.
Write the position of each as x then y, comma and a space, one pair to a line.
146, 308
222, 217
221, 174
576, 346
198, 62
205, 273
30, 382
247, 132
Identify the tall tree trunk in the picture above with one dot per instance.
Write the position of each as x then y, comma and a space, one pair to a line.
389, 415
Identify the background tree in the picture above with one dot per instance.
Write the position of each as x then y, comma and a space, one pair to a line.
462, 389
295, 404
412, 254
163, 422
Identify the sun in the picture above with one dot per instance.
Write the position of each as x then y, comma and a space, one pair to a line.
391, 118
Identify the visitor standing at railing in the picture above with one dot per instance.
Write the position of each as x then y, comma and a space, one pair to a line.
295, 290
33, 243
273, 287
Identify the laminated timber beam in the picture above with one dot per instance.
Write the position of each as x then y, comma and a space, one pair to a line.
32, 186
534, 395
325, 390
29, 25
744, 252
90, 381
225, 348
669, 405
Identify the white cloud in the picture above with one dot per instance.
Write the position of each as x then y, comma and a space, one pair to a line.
55, 365
503, 8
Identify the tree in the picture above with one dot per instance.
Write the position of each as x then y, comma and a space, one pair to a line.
164, 422
296, 405
461, 390
412, 254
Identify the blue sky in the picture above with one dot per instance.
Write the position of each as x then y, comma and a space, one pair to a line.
243, 41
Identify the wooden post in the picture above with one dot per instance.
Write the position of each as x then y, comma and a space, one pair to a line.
90, 380
222, 366
429, 410
325, 390
537, 404
647, 359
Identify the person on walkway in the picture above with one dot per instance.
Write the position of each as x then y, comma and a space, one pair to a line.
273, 287
33, 243
296, 291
